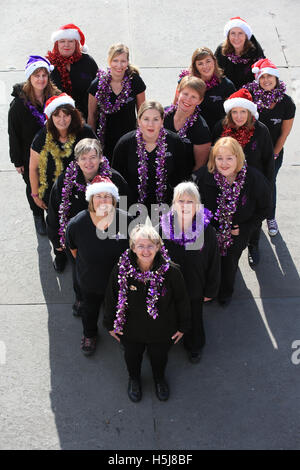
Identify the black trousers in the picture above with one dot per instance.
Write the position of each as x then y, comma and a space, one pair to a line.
229, 265
37, 211
194, 339
158, 355
76, 285
91, 304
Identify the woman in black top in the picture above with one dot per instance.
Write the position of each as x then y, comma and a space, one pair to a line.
241, 123
146, 306
238, 52
114, 97
96, 238
185, 119
74, 69
204, 65
151, 159
25, 118
277, 112
191, 242
239, 196
53, 149
67, 197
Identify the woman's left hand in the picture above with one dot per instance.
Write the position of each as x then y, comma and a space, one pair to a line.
235, 230
115, 335
178, 335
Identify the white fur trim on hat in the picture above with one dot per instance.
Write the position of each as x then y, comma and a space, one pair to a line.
37, 65
241, 103
270, 70
104, 187
238, 23
65, 34
59, 101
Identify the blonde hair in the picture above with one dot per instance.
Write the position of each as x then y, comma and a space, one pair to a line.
195, 83
151, 105
186, 187
233, 146
199, 54
117, 49
145, 231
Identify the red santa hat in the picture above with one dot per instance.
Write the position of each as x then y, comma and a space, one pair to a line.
237, 22
56, 101
241, 99
70, 31
101, 184
263, 66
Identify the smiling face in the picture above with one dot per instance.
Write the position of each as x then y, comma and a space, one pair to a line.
89, 163
237, 38
188, 99
61, 120
185, 206
66, 47
118, 65
103, 204
39, 79
145, 251
268, 82
205, 67
226, 162
239, 116
150, 124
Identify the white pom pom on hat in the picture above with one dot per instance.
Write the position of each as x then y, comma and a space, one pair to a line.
70, 31
241, 99
238, 22
263, 66
101, 184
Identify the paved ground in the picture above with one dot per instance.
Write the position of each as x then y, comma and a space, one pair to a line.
245, 392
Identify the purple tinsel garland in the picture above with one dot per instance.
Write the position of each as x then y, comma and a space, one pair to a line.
189, 121
236, 59
155, 279
213, 82
68, 185
103, 94
227, 204
190, 235
264, 98
160, 161
40, 117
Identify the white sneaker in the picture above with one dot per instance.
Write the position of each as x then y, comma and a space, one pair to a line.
272, 227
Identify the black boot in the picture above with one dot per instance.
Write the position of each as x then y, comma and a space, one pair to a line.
162, 390
60, 261
253, 256
40, 224
134, 390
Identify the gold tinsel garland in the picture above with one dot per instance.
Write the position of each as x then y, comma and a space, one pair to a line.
51, 148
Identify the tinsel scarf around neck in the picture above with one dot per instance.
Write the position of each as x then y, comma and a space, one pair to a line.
243, 135
61, 63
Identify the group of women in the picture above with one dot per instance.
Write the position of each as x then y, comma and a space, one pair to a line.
205, 166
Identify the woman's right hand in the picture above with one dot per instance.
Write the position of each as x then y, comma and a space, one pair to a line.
20, 170
115, 335
39, 202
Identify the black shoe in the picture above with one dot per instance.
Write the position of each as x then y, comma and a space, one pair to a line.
60, 261
76, 309
162, 390
253, 256
88, 345
134, 390
194, 356
40, 224
224, 301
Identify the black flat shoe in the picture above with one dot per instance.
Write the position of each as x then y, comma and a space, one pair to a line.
253, 256
134, 390
40, 225
162, 390
194, 356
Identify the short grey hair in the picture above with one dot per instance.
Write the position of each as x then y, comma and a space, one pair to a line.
186, 187
145, 231
86, 145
